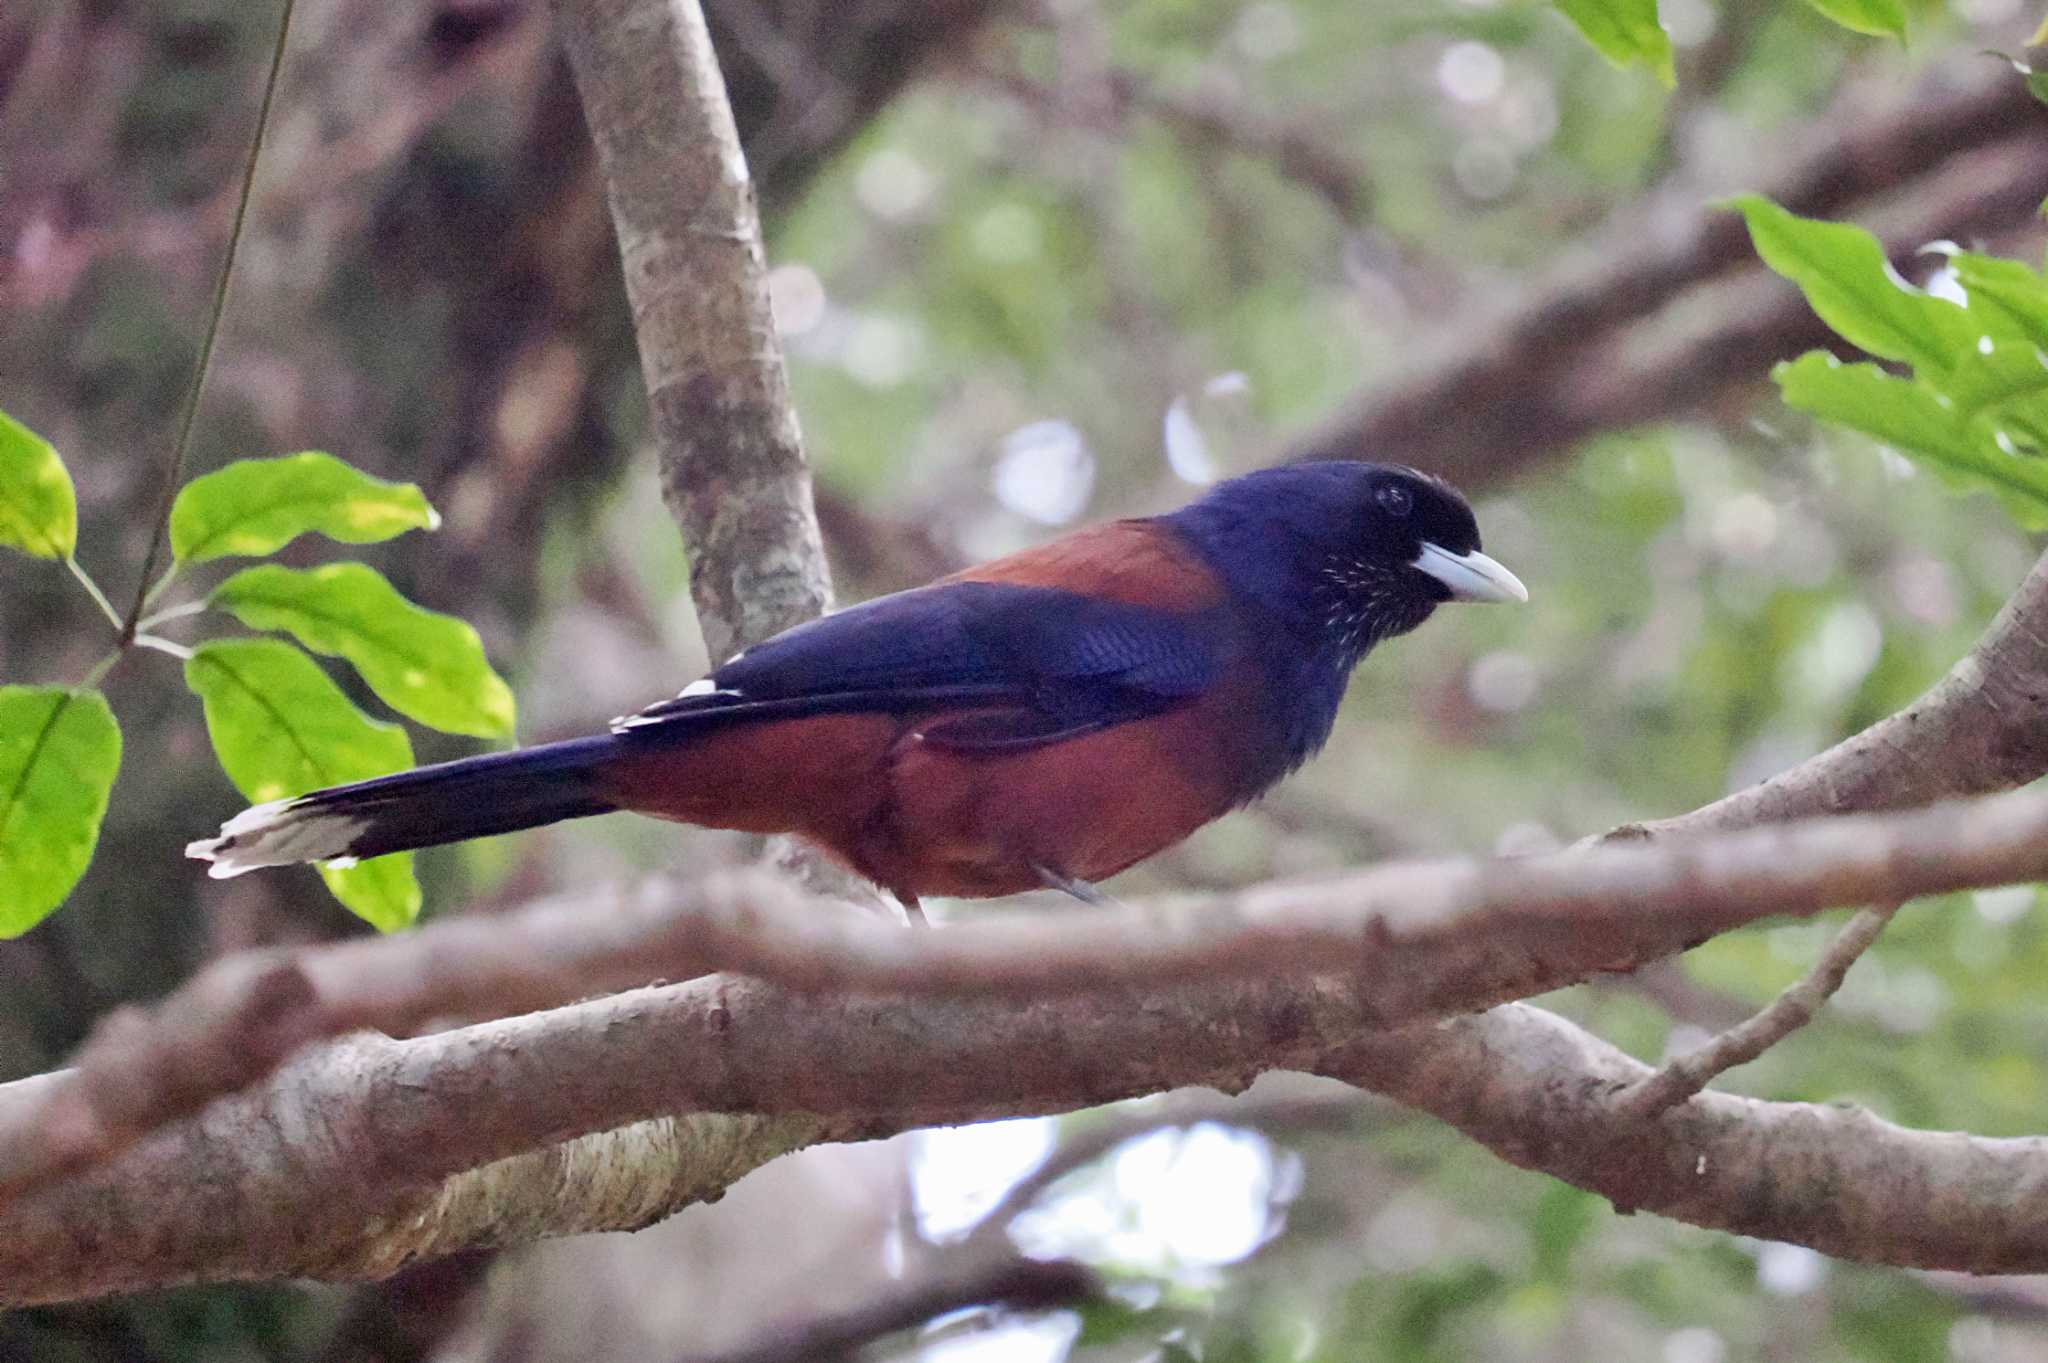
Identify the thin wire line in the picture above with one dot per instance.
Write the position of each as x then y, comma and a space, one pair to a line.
187, 421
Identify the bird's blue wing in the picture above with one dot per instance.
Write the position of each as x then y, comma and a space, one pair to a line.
1054, 662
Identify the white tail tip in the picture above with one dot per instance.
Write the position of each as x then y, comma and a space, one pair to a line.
280, 833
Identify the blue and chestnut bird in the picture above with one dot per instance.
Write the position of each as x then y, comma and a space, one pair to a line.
1046, 719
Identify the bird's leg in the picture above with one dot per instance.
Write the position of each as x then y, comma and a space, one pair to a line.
1079, 889
913, 911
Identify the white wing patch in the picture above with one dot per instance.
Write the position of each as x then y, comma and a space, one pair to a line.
696, 690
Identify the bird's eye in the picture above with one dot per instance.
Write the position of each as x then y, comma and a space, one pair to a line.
1396, 500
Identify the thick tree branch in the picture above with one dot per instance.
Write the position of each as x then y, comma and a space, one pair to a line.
1411, 940
332, 1168
1543, 1094
732, 460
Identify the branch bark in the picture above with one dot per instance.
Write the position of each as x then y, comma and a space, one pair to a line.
732, 461
1545, 1095
334, 1168
1410, 941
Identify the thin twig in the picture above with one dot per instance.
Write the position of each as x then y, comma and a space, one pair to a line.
1119, 1128
188, 418
1684, 1075
98, 671
1291, 149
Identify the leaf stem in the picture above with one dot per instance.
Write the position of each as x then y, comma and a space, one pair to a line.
183, 444
170, 613
99, 671
92, 589
163, 584
163, 645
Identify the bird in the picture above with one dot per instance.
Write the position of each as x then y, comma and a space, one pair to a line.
1041, 721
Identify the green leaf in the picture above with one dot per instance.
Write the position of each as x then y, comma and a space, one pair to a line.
419, 662
382, 891
38, 506
257, 506
2006, 290
59, 753
1878, 18
281, 727
1625, 32
1912, 418
1994, 378
1843, 272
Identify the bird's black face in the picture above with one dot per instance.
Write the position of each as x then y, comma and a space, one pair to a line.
1414, 545
1346, 554
1329, 559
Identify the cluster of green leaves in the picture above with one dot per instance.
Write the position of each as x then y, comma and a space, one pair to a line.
1974, 410
280, 724
1628, 31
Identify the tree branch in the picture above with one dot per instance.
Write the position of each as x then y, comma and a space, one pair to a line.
1293, 151
334, 1168
1685, 1075
1580, 353
732, 461
1543, 1094
1412, 940
1009, 1280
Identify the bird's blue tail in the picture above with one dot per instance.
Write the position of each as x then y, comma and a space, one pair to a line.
471, 798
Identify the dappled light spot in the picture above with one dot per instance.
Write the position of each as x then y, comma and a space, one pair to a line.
1045, 472
797, 296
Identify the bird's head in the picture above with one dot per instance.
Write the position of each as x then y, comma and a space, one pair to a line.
1346, 553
